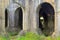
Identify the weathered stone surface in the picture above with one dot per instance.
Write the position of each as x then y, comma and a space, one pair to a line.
30, 13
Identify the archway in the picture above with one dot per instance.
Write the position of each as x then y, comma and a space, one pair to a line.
19, 18
46, 18
6, 17
17, 26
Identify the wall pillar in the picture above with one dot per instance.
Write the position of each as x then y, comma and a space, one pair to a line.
34, 16
26, 16
57, 28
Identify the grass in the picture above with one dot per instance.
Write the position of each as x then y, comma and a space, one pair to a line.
3, 38
29, 36
33, 36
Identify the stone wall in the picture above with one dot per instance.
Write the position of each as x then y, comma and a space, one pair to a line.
30, 16
3, 5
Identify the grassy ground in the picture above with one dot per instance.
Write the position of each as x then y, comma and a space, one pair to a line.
29, 36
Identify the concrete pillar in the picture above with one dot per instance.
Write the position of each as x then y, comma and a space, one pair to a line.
31, 13
11, 18
26, 16
58, 17
34, 16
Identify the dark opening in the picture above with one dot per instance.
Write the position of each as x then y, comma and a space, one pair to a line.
19, 18
46, 18
6, 17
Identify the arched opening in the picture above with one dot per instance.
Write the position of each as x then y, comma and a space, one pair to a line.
19, 18
46, 18
6, 17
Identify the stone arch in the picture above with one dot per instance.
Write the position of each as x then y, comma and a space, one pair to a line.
11, 23
19, 17
45, 11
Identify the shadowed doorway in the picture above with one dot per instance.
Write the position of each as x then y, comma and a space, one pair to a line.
6, 18
19, 18
46, 18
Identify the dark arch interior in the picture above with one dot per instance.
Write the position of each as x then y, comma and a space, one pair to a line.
6, 17
19, 18
46, 18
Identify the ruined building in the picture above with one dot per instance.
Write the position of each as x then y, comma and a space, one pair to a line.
30, 15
